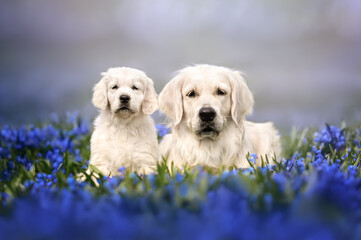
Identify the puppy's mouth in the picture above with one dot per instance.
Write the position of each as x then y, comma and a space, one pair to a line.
124, 109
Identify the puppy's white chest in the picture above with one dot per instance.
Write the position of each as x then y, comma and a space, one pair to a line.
123, 146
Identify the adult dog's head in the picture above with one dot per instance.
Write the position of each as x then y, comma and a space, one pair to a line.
125, 92
206, 99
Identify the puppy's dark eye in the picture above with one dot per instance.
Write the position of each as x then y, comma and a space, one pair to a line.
191, 94
115, 87
221, 92
135, 88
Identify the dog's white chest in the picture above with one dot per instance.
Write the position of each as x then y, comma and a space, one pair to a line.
124, 145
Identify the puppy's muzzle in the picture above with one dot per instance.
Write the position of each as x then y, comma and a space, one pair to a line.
207, 114
124, 99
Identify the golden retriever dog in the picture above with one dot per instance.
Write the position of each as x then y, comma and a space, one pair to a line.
207, 106
124, 133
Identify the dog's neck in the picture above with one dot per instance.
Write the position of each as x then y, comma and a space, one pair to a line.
210, 152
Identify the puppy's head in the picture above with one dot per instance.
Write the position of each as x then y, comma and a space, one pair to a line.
206, 98
125, 92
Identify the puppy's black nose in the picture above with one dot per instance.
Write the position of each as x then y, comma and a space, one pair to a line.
207, 114
124, 98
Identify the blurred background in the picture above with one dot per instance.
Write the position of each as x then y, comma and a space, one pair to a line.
302, 59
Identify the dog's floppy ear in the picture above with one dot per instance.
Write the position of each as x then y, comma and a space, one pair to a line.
242, 99
100, 97
170, 99
150, 103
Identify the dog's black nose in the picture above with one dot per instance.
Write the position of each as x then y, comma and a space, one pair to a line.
124, 98
207, 114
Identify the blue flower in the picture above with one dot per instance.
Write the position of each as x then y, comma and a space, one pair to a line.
179, 177
253, 158
151, 178
268, 200
281, 181
266, 169
122, 170
248, 171
330, 135
80, 129
162, 130
72, 117
183, 189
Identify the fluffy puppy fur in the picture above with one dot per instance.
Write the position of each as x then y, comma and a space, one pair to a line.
207, 106
124, 134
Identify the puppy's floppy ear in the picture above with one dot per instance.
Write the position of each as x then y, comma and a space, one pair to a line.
100, 96
170, 99
150, 103
242, 99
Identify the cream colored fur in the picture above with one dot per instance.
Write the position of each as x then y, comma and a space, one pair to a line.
233, 137
124, 137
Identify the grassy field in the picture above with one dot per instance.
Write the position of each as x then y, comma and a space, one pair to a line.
313, 192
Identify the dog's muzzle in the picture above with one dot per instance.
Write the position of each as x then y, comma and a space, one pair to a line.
124, 99
124, 104
207, 128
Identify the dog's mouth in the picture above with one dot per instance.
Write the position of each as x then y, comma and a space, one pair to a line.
207, 131
124, 109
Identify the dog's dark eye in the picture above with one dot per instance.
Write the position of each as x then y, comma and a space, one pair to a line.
135, 88
191, 94
115, 87
221, 92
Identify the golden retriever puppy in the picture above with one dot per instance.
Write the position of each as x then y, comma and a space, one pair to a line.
207, 106
124, 133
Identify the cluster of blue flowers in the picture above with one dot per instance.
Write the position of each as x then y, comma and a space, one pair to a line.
330, 136
315, 194
41, 152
